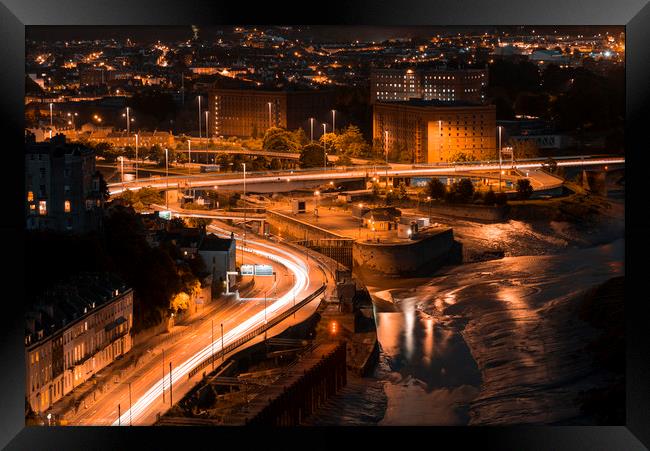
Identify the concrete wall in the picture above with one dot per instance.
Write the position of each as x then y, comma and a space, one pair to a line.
294, 228
402, 258
480, 212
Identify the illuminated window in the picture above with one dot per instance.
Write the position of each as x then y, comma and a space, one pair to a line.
66, 206
42, 207
30, 196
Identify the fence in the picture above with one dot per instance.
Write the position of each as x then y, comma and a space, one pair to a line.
255, 332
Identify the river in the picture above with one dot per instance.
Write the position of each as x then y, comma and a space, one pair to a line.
489, 342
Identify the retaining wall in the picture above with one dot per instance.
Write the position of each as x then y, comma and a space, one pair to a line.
402, 258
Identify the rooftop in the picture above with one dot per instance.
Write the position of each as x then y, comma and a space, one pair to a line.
66, 302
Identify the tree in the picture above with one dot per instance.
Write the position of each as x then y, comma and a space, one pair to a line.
312, 156
104, 192
402, 194
375, 190
460, 156
351, 142
465, 189
524, 189
176, 223
524, 148
391, 197
279, 140
156, 154
435, 188
344, 160
490, 198
550, 165
224, 161
199, 223
300, 137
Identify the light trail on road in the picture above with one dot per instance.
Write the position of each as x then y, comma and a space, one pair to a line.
345, 173
301, 282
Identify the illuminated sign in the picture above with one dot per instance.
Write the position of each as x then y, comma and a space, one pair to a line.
247, 270
263, 270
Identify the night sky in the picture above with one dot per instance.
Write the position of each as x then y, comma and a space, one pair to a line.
317, 33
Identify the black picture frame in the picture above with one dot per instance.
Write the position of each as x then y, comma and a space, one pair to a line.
16, 14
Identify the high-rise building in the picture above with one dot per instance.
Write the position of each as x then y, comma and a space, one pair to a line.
400, 85
62, 189
434, 131
249, 112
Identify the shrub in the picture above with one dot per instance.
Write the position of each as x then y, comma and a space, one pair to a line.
500, 198
490, 198
524, 189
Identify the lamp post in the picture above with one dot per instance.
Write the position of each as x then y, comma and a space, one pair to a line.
167, 178
212, 344
51, 120
311, 123
440, 134
122, 169
333, 121
163, 371
119, 415
130, 422
242, 253
223, 355
128, 120
386, 151
199, 97
499, 128
270, 121
170, 385
429, 201
136, 157
207, 134
324, 147
189, 156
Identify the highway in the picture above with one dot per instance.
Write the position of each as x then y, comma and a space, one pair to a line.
235, 180
295, 279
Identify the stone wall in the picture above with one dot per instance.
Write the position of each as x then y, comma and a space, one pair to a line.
480, 212
402, 258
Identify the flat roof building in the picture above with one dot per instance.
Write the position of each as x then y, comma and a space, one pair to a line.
434, 131
400, 85
249, 112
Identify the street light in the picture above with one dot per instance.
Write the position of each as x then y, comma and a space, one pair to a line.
207, 134
136, 157
386, 150
128, 120
500, 171
429, 201
189, 157
324, 147
311, 122
51, 121
199, 97
223, 355
333, 121
130, 422
212, 344
269, 104
167, 178
242, 254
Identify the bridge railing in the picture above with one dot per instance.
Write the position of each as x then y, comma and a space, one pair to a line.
255, 332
